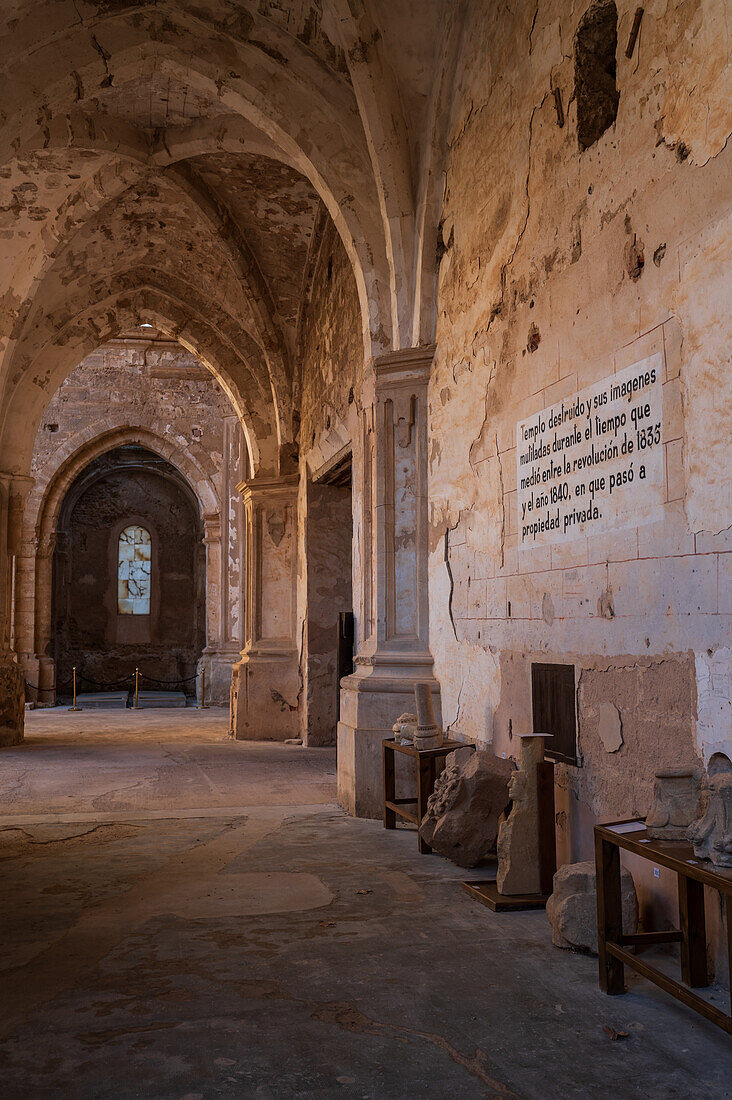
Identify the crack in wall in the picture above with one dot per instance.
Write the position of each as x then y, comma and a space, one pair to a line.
503, 504
448, 529
456, 719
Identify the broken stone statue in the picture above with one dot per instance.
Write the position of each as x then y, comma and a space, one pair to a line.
572, 908
712, 835
676, 803
518, 834
405, 728
428, 735
463, 811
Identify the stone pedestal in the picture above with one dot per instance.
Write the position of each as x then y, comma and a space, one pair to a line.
40, 674
266, 681
218, 665
391, 605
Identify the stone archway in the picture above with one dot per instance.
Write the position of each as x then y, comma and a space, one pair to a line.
34, 565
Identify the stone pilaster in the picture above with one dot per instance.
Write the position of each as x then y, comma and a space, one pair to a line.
392, 605
224, 538
266, 682
218, 673
14, 490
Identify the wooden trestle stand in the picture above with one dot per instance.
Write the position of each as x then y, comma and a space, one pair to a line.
487, 892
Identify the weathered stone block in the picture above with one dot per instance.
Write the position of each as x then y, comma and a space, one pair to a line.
572, 907
462, 816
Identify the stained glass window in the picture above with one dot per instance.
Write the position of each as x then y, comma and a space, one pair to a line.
133, 572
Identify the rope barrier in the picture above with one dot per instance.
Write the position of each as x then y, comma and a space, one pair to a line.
153, 680
107, 683
129, 680
37, 687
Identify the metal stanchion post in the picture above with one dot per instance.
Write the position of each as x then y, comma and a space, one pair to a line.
203, 705
137, 689
75, 706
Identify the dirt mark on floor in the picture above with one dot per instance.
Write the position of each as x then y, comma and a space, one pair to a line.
346, 1016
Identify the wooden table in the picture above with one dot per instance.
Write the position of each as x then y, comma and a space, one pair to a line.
426, 774
693, 875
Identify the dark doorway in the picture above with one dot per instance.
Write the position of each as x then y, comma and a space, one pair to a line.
554, 710
329, 535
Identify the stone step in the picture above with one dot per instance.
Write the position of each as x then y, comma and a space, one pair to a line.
148, 699
98, 700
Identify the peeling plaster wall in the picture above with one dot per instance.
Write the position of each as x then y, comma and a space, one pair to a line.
559, 268
331, 351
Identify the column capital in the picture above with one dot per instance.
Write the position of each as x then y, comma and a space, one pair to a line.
407, 366
269, 489
18, 485
211, 528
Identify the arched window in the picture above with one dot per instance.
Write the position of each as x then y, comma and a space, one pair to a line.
133, 572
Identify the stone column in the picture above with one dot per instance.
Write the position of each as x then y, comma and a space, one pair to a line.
224, 550
392, 607
33, 619
266, 682
14, 490
210, 658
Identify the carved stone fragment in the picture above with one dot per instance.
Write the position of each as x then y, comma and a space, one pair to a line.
464, 809
428, 735
572, 908
676, 803
518, 835
405, 728
712, 835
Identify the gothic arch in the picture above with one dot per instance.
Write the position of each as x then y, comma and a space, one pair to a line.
34, 575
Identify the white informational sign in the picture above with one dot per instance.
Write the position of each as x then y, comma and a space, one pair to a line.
593, 462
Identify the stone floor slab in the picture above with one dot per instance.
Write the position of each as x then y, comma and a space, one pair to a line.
289, 951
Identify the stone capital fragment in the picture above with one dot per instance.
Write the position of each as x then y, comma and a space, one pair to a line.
676, 803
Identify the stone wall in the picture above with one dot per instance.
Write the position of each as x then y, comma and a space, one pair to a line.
331, 352
135, 382
561, 267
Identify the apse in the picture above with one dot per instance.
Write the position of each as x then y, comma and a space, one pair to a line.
128, 576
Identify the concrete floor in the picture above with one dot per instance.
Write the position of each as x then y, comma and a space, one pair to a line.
191, 917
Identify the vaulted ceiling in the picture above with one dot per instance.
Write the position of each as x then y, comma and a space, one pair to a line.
166, 163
